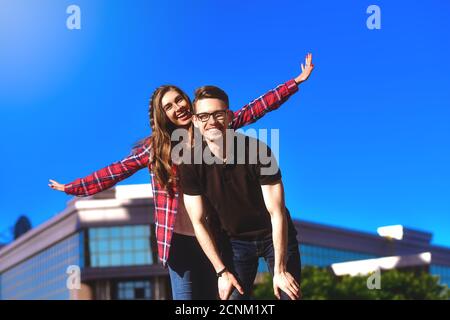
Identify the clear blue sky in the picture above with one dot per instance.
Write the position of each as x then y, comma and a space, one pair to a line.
365, 143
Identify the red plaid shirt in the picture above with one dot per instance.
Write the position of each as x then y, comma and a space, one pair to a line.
165, 205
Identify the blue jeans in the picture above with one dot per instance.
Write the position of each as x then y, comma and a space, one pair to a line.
242, 258
192, 275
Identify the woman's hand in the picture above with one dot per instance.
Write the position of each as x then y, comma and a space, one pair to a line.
55, 185
306, 69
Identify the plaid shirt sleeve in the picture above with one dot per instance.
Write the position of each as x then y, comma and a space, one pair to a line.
272, 100
110, 175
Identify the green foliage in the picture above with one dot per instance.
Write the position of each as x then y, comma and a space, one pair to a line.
321, 283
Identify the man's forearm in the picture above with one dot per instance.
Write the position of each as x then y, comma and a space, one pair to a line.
279, 236
208, 245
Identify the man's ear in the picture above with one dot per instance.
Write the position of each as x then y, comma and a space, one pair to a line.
195, 122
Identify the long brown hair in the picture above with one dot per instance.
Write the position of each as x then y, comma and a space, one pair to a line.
162, 129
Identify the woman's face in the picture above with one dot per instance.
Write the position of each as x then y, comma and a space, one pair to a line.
176, 107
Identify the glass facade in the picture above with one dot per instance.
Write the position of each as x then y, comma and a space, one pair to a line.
443, 272
120, 246
323, 257
312, 255
134, 290
318, 256
44, 275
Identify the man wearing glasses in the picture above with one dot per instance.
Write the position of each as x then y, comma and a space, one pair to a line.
247, 194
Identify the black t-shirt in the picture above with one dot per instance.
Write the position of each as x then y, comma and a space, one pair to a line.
234, 189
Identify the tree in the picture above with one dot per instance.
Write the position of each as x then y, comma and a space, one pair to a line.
320, 283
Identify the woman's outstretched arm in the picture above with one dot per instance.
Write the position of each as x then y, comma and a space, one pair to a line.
108, 176
273, 99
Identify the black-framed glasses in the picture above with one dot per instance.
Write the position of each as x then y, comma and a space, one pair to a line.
218, 115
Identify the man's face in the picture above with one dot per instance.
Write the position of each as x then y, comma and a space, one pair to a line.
212, 118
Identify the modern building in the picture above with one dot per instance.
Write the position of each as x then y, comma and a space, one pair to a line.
104, 247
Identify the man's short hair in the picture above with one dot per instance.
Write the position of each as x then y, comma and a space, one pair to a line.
210, 92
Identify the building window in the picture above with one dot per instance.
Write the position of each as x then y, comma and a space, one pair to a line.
134, 290
120, 246
312, 255
323, 256
442, 272
44, 275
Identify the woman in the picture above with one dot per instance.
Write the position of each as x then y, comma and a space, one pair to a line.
191, 274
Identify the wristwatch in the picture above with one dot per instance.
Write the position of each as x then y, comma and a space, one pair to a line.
219, 274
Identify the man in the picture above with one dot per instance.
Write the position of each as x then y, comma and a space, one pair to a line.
248, 199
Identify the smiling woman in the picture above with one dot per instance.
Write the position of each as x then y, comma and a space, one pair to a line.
170, 108
176, 107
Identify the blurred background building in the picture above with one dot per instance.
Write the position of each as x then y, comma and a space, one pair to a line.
110, 237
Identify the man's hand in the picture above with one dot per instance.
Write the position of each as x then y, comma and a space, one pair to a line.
306, 69
287, 283
226, 283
